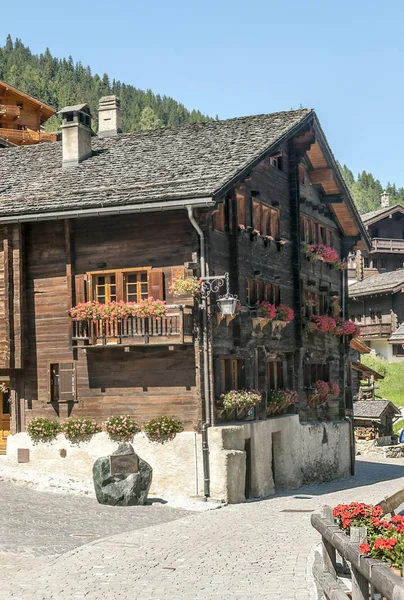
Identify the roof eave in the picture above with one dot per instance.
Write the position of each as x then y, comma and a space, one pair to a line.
140, 207
346, 193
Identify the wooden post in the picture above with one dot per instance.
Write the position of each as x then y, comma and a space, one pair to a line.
360, 585
329, 553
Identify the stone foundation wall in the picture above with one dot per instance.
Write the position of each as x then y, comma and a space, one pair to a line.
279, 453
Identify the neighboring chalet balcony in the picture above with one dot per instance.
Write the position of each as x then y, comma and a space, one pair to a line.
387, 245
9, 113
376, 328
176, 327
20, 136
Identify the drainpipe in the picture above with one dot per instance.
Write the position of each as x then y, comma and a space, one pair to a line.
204, 306
344, 275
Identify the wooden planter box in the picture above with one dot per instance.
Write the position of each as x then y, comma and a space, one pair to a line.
241, 413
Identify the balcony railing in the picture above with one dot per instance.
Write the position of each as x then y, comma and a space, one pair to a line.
176, 327
376, 328
27, 137
9, 112
387, 245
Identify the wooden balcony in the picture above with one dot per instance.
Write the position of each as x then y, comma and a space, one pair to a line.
387, 245
9, 113
176, 327
376, 329
21, 137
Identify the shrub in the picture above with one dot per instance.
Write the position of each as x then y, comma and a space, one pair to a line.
266, 310
279, 400
43, 428
237, 398
284, 313
123, 426
326, 389
116, 311
162, 429
74, 428
186, 287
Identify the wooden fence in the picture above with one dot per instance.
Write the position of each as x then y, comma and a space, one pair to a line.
371, 579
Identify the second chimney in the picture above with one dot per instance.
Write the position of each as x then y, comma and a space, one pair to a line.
385, 200
109, 116
76, 134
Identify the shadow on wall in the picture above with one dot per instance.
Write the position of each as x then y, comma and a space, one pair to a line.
143, 368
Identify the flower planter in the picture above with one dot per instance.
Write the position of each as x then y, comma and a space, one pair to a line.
279, 324
261, 321
236, 413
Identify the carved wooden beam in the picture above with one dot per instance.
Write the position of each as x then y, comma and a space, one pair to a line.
332, 199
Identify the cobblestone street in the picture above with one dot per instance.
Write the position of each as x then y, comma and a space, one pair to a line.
258, 549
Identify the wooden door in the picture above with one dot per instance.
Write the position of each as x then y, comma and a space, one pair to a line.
4, 421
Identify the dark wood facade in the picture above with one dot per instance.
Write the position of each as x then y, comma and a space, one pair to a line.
377, 279
255, 232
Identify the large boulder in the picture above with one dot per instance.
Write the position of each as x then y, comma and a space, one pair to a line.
123, 478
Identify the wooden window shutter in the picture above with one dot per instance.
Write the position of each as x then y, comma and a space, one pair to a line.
259, 291
277, 295
66, 382
242, 209
156, 284
219, 219
256, 215
275, 224
81, 289
268, 292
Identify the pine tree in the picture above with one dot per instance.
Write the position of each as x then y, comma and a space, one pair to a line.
149, 119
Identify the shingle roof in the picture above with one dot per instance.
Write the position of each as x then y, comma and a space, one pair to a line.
382, 283
189, 161
372, 409
375, 213
398, 334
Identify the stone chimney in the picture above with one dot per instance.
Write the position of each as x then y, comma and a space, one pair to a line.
385, 200
109, 116
76, 134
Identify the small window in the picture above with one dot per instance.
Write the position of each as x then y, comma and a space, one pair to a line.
259, 291
314, 372
275, 375
276, 161
398, 350
62, 382
231, 374
136, 286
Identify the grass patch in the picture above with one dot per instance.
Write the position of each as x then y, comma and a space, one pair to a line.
392, 386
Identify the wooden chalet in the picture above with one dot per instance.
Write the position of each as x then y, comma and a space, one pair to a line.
379, 415
21, 118
376, 277
139, 210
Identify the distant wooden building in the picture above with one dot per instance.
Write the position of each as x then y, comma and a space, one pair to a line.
376, 414
376, 277
21, 118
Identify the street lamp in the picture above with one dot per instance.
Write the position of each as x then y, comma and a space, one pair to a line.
227, 303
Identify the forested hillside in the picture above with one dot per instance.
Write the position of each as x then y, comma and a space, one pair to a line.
61, 82
366, 190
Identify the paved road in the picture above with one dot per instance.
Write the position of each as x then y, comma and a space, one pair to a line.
241, 552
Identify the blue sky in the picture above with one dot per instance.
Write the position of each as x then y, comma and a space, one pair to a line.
240, 57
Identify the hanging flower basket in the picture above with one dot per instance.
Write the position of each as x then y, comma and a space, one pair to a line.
227, 306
